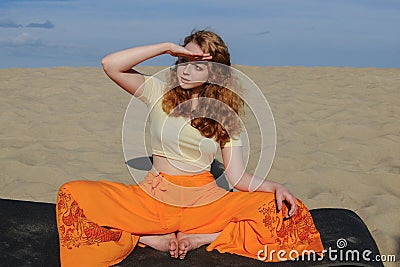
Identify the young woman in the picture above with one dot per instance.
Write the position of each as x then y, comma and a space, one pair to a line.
178, 207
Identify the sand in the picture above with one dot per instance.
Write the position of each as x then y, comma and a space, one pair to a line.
338, 133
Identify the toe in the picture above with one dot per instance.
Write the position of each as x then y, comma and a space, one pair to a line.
173, 248
183, 248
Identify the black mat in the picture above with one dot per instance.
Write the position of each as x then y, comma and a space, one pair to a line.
28, 237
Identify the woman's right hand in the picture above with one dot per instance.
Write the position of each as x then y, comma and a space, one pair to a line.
180, 51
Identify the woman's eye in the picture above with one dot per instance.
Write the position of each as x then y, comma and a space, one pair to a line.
181, 60
198, 68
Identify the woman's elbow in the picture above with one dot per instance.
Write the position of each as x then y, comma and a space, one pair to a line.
106, 63
234, 178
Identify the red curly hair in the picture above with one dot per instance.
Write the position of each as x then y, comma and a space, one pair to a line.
219, 107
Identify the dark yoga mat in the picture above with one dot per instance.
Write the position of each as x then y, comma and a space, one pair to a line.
28, 237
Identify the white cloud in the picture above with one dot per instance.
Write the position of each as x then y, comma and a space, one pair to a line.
26, 39
22, 39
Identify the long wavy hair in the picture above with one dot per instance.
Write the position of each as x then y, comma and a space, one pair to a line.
219, 108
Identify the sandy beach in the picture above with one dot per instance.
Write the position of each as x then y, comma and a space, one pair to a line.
338, 132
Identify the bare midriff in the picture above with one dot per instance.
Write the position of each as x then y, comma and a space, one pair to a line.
174, 167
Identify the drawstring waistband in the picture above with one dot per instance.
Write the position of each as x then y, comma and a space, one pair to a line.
182, 190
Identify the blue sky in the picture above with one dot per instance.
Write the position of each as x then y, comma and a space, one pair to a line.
358, 33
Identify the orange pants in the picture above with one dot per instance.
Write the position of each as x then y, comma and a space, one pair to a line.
100, 222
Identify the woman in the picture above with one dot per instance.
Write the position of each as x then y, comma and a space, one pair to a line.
179, 207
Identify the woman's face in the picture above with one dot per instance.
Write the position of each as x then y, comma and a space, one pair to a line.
191, 74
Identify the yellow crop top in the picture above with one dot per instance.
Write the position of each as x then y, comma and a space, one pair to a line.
174, 137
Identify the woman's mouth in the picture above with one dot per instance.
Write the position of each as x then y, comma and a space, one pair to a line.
185, 80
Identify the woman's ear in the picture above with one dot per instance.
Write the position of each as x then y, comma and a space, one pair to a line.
211, 78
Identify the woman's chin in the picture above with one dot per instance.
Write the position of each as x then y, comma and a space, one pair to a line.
188, 86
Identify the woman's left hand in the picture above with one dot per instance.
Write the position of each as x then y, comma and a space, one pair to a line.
282, 195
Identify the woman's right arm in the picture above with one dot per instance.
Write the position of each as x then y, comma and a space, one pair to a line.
118, 66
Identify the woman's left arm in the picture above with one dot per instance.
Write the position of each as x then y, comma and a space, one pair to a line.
243, 181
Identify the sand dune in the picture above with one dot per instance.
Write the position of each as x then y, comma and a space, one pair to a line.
338, 133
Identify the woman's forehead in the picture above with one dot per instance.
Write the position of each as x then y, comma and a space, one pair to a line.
184, 60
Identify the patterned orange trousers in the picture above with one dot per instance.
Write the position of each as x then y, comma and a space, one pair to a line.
100, 222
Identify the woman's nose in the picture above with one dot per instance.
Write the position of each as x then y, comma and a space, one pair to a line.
186, 70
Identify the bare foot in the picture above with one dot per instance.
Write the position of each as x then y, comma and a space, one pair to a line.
167, 242
188, 242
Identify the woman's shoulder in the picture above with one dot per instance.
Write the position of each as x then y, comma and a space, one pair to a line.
151, 90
